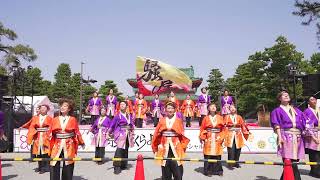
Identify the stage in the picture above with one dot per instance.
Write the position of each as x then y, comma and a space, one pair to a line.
262, 140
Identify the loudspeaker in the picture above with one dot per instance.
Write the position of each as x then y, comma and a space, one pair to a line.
311, 84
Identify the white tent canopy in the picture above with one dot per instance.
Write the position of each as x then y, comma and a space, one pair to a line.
26, 101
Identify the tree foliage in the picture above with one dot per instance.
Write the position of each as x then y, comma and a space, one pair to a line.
10, 53
215, 84
258, 81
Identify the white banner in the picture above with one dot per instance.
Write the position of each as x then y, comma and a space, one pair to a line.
262, 140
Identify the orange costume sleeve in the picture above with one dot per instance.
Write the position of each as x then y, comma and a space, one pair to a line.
117, 108
130, 108
34, 136
184, 108
212, 139
160, 144
143, 109
27, 124
71, 144
240, 135
178, 104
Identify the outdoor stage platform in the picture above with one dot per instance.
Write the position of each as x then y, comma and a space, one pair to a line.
262, 140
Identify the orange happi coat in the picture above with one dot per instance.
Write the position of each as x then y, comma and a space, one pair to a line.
240, 135
188, 108
212, 140
129, 109
27, 124
176, 101
160, 144
141, 108
40, 140
69, 145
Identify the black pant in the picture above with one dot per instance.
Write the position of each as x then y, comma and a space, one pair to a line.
233, 152
155, 121
295, 169
67, 170
214, 168
93, 119
200, 120
314, 156
43, 165
121, 153
32, 155
188, 120
138, 122
171, 168
100, 152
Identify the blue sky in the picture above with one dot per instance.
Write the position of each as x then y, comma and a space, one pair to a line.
108, 35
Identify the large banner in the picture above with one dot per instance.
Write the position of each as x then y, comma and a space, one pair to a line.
262, 140
155, 77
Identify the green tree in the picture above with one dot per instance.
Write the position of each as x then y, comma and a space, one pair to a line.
61, 86
9, 52
216, 83
315, 61
33, 80
258, 81
87, 94
46, 88
105, 88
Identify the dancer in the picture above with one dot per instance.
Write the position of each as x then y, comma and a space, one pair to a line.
94, 107
111, 103
65, 140
237, 134
188, 109
141, 109
288, 122
212, 137
169, 142
226, 102
203, 101
312, 135
156, 109
39, 135
100, 129
122, 129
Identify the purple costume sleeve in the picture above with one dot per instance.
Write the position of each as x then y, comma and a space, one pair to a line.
280, 118
275, 118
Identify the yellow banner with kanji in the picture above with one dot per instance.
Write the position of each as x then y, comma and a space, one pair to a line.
154, 76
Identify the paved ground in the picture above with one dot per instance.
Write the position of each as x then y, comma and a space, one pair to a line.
192, 170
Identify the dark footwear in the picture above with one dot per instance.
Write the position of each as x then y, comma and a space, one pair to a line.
207, 174
117, 170
237, 166
42, 171
123, 167
36, 170
230, 167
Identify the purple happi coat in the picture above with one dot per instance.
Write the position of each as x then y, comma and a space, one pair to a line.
94, 106
202, 103
225, 104
156, 108
312, 128
100, 129
122, 127
291, 128
111, 103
